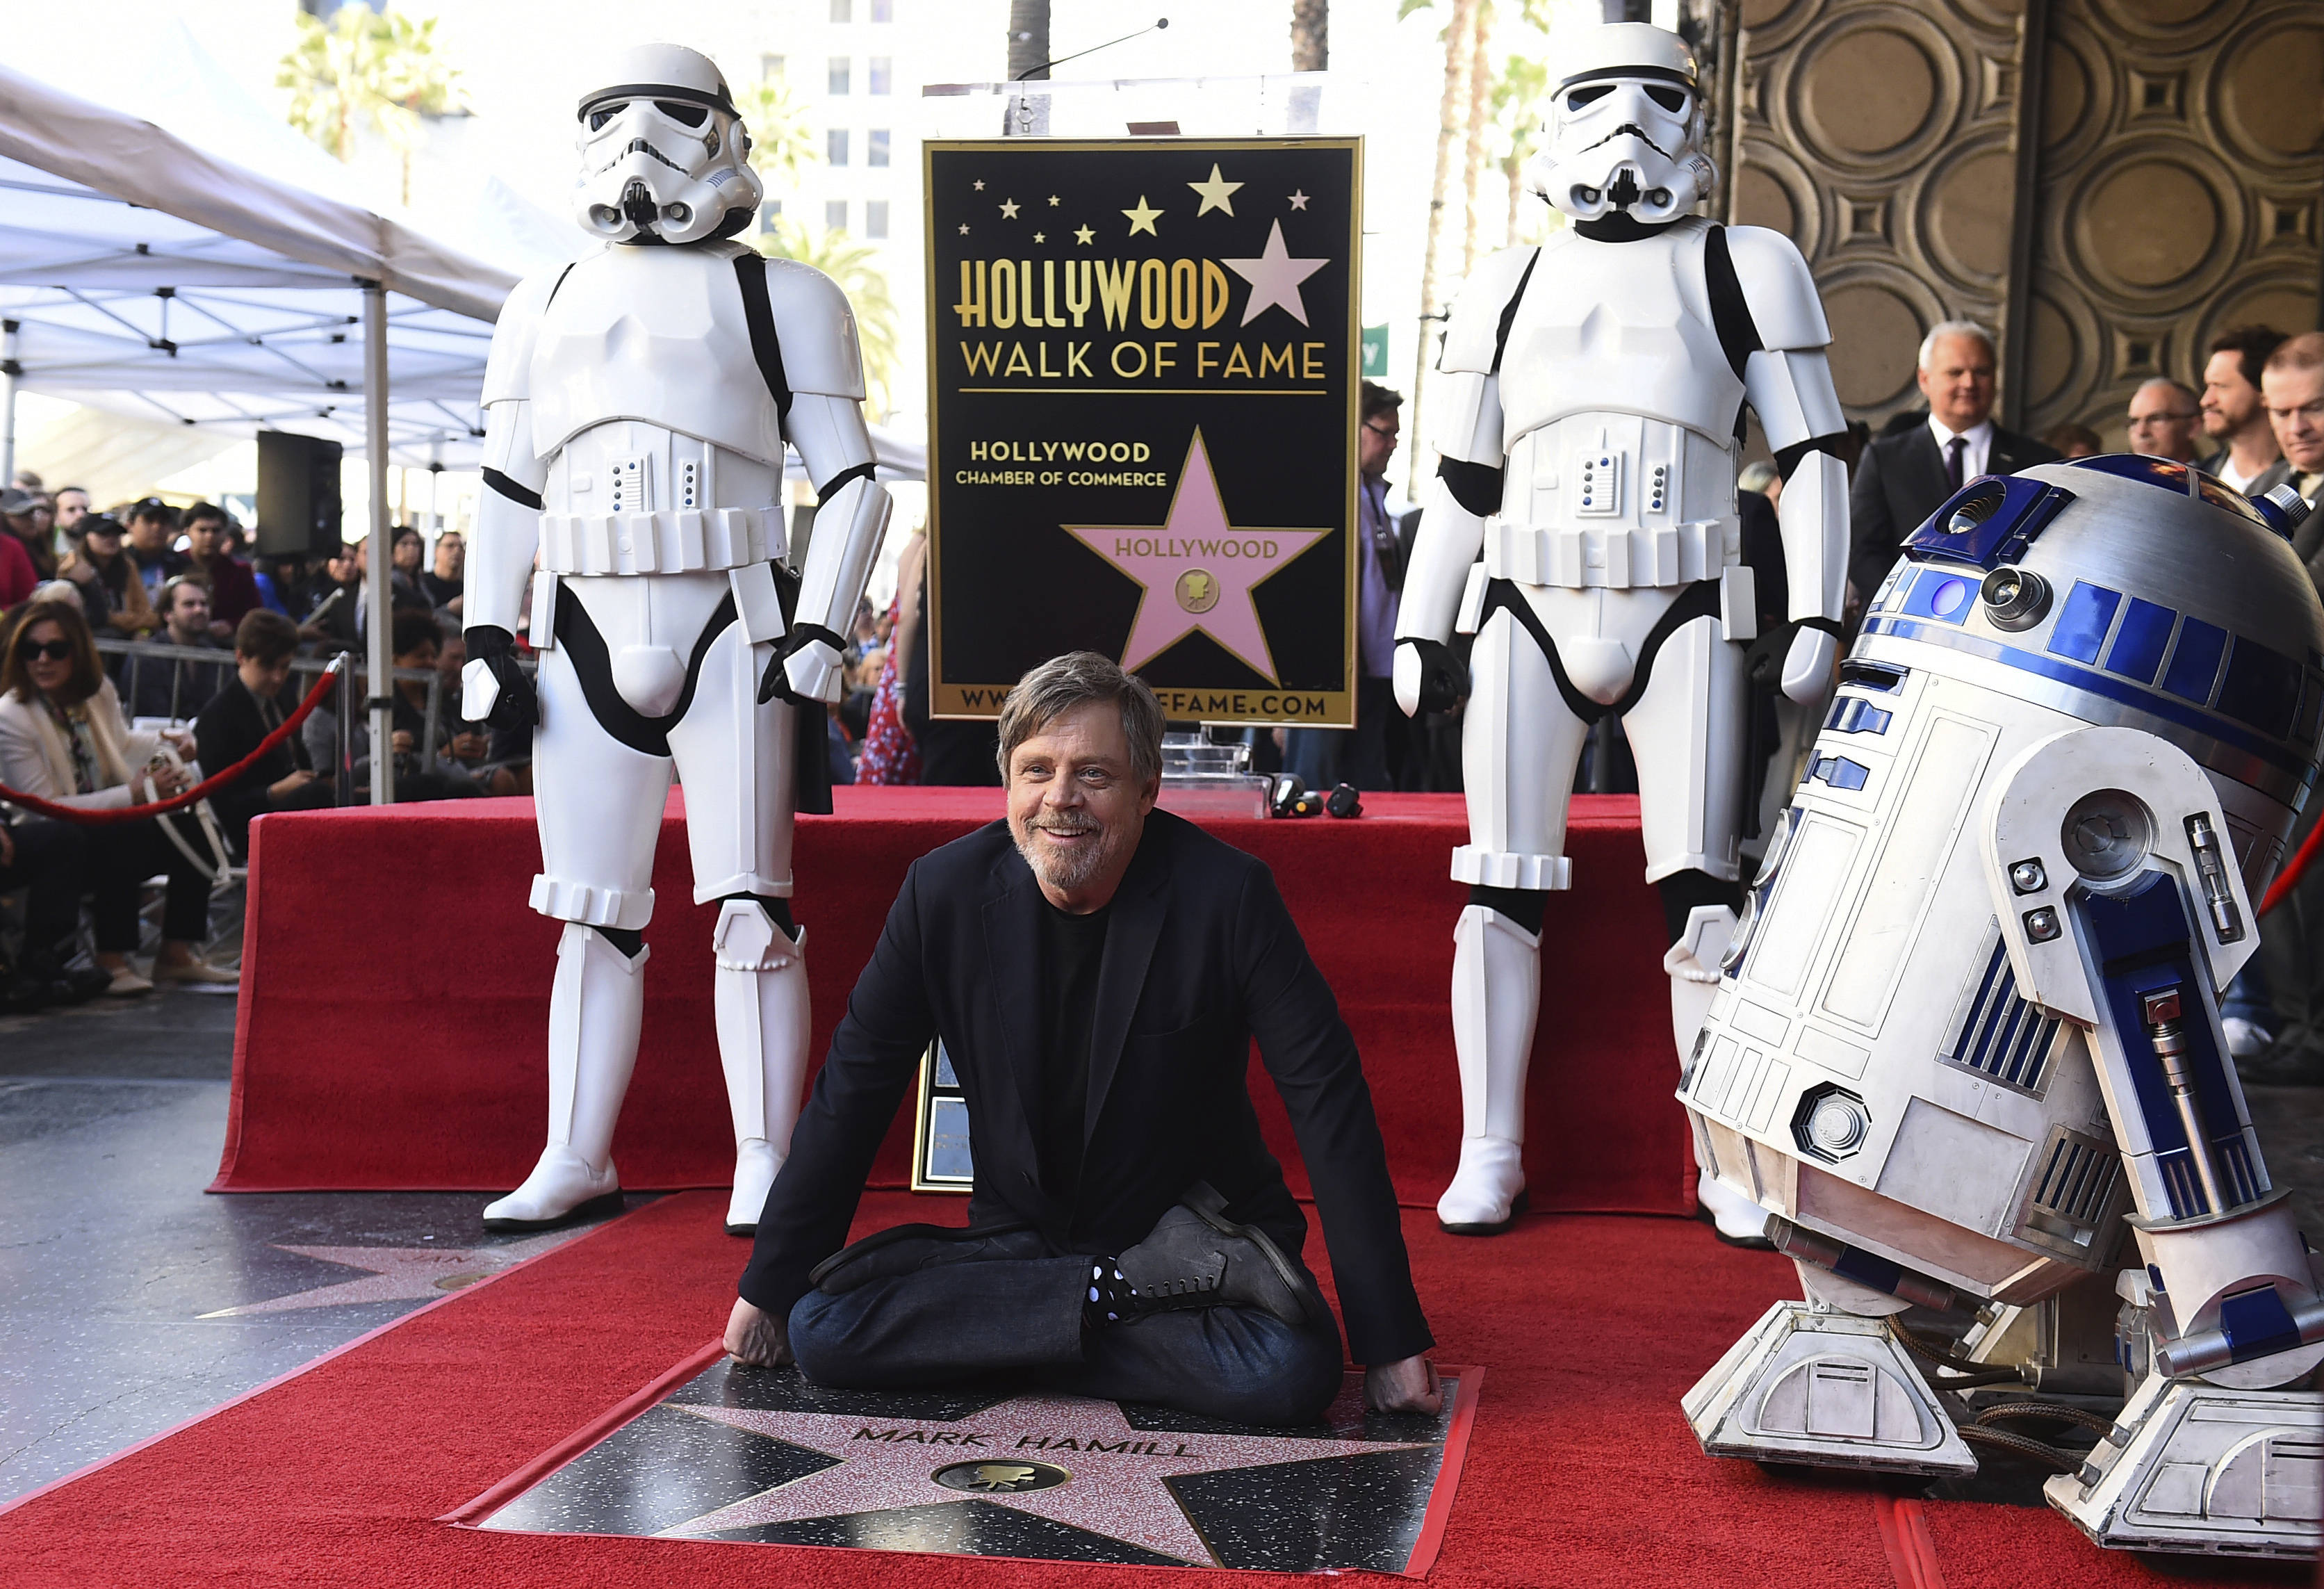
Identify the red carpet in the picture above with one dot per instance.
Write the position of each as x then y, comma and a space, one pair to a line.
1581, 1471
395, 992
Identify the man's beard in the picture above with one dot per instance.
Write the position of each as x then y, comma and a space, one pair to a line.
1070, 870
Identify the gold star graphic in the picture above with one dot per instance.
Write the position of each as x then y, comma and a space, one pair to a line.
1053, 201
1008, 209
1215, 193
964, 228
1082, 235
1299, 201
1141, 220
1037, 237
979, 186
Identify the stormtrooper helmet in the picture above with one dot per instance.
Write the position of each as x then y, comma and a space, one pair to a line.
1623, 124
664, 152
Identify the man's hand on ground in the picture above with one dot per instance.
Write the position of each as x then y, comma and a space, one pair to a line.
757, 1338
1408, 1386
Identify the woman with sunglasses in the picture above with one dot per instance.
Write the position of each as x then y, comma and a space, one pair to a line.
63, 739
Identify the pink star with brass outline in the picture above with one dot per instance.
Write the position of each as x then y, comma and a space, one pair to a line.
1115, 1484
398, 1274
1198, 570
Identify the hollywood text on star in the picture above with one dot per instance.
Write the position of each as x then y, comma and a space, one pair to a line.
1126, 295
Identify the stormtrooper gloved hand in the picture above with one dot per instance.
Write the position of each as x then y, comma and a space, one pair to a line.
492, 688
1428, 676
805, 667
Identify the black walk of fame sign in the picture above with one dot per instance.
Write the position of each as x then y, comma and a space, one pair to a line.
761, 1457
1143, 371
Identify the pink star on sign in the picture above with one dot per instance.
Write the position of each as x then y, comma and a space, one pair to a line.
1075, 1460
1274, 277
1197, 568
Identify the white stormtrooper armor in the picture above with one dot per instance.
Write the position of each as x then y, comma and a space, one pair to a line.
1969, 1022
1582, 527
636, 403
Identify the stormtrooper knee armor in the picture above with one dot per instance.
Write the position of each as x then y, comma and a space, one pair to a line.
637, 404
1582, 527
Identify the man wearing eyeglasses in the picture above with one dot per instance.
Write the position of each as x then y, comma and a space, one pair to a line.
2164, 417
1323, 757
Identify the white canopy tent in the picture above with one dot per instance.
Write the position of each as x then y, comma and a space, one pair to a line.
149, 275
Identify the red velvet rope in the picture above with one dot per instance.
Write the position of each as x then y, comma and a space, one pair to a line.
2289, 878
215, 781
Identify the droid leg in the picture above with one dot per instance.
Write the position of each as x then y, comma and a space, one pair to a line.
734, 758
1686, 734
599, 804
1518, 754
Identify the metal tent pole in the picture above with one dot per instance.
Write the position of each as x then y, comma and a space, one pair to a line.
380, 650
9, 370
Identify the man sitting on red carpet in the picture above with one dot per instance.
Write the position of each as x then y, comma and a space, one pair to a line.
1097, 970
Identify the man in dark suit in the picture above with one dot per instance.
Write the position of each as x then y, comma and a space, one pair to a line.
1921, 459
1097, 970
240, 716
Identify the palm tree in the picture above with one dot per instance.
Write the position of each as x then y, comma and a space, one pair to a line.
1479, 91
1516, 109
382, 70
782, 143
1311, 35
1453, 109
853, 265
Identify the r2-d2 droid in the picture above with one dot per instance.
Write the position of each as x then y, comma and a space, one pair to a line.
1583, 526
636, 403
1967, 1037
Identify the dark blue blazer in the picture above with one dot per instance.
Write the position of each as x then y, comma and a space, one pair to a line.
1201, 956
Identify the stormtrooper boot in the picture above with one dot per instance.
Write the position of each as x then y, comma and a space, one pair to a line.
1692, 963
594, 1008
761, 1001
1495, 995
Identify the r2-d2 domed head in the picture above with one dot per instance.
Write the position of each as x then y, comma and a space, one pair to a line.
1623, 125
664, 153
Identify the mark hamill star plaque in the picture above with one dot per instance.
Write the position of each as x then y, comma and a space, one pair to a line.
759, 1456
1143, 377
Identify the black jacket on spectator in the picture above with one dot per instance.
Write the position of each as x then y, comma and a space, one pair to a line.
338, 622
1201, 956
1901, 480
172, 687
230, 727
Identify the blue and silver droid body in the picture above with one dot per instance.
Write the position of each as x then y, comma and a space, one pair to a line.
1967, 1028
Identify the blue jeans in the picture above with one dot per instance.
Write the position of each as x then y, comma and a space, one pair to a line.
1011, 1306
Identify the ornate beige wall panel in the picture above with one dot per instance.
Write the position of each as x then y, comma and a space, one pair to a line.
1881, 138
2180, 168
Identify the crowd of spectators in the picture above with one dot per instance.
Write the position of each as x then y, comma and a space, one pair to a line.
206, 649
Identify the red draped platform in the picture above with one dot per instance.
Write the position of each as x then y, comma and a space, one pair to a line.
396, 992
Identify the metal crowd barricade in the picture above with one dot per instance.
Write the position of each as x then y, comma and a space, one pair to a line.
347, 703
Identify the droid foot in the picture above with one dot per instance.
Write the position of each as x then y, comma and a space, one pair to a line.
1488, 1191
1828, 1389
562, 1188
1739, 1220
2203, 1468
755, 1165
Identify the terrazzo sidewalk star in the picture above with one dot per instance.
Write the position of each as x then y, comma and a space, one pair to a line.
1065, 1458
398, 1274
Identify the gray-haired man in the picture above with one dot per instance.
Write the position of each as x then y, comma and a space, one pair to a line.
1923, 459
1097, 970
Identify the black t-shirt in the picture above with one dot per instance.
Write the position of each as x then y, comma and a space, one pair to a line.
1071, 948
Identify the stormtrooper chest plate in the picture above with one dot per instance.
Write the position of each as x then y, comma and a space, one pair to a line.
655, 335
1619, 408
1624, 327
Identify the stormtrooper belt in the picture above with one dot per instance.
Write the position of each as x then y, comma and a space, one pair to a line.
1699, 600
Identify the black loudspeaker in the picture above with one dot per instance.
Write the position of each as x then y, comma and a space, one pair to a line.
298, 495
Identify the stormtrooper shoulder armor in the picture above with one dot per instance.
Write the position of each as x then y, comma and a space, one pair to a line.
817, 329
1776, 285
510, 359
1473, 335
